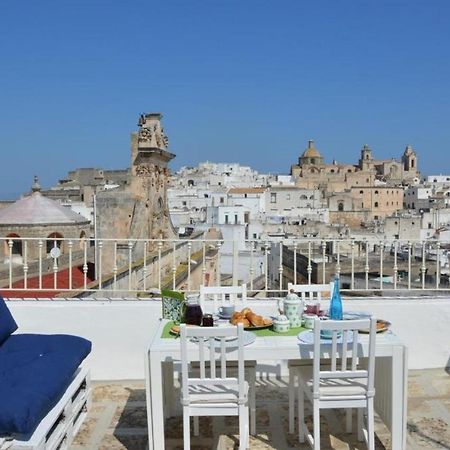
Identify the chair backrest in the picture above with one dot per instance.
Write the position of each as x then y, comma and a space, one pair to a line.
212, 348
344, 340
310, 292
223, 295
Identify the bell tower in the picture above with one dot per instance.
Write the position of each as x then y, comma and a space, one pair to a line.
409, 159
366, 158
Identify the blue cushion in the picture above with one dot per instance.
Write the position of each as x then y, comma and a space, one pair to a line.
7, 323
35, 370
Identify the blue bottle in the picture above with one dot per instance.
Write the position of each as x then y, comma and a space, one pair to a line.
336, 302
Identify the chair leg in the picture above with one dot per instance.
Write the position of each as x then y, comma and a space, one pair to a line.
370, 425
291, 400
243, 427
360, 424
253, 403
301, 414
196, 426
186, 429
316, 424
348, 420
168, 388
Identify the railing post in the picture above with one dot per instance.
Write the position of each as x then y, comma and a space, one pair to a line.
40, 245
159, 246
381, 264
352, 275
174, 267
85, 266
266, 269
423, 268
130, 264
324, 247
70, 245
115, 268
280, 268
395, 264
99, 273
25, 264
366, 268
252, 270
438, 264
295, 262
204, 263
189, 267
10, 247
309, 267
55, 269
145, 269
409, 265
338, 258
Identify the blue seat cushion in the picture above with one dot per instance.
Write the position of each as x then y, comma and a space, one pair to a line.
35, 370
7, 323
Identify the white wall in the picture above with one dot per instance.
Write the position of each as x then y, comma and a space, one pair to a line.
121, 330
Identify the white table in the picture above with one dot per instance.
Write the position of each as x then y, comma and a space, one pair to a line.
390, 376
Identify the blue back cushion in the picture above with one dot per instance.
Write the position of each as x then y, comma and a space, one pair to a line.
7, 323
35, 370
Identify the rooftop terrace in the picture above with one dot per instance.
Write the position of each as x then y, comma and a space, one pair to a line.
118, 421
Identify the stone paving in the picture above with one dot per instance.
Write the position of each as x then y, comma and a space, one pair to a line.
117, 420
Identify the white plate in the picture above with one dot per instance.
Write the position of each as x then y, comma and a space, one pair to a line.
307, 337
249, 338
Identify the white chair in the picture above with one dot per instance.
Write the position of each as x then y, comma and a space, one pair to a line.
211, 298
342, 383
308, 292
222, 295
214, 392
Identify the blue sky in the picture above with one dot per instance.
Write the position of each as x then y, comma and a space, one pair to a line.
238, 81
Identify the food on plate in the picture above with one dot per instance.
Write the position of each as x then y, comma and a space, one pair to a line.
249, 319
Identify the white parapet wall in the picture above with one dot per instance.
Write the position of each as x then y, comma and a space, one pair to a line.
120, 330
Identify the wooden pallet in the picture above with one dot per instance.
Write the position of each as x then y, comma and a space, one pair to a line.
58, 428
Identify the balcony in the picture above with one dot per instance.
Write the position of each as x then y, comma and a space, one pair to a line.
107, 310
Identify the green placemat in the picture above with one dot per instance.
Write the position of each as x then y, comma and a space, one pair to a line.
263, 333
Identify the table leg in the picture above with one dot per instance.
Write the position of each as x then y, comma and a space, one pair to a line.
148, 399
399, 380
156, 398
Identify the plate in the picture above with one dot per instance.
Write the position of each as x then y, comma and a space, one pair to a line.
382, 325
175, 330
307, 337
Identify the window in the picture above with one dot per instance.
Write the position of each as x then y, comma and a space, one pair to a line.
226, 218
361, 192
183, 203
429, 225
245, 195
376, 205
341, 206
235, 219
376, 192
362, 205
273, 197
221, 199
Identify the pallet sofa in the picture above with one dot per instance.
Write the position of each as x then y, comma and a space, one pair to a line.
44, 390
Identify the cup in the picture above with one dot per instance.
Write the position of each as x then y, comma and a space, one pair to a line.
226, 311
208, 320
309, 321
313, 308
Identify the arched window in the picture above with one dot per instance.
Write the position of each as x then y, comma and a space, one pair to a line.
361, 192
54, 240
341, 206
376, 205
332, 171
16, 245
376, 192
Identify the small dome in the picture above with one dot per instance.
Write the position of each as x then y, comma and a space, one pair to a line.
39, 210
311, 151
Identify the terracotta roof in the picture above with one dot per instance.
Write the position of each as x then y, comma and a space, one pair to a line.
39, 210
248, 190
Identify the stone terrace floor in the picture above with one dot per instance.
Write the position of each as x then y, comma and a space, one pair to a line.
117, 420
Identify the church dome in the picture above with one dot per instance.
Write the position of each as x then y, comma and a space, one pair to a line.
39, 210
311, 151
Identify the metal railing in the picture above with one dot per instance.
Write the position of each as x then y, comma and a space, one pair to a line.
118, 267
